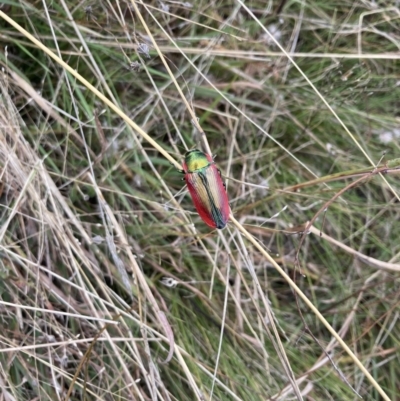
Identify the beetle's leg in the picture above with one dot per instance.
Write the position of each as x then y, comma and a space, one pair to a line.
179, 171
220, 174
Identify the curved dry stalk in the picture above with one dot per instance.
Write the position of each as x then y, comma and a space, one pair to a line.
367, 259
392, 166
309, 224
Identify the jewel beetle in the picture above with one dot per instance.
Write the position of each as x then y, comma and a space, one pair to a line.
206, 188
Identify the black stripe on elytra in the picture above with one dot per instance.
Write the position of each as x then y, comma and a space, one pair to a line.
215, 212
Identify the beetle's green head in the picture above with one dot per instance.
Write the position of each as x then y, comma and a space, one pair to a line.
196, 159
